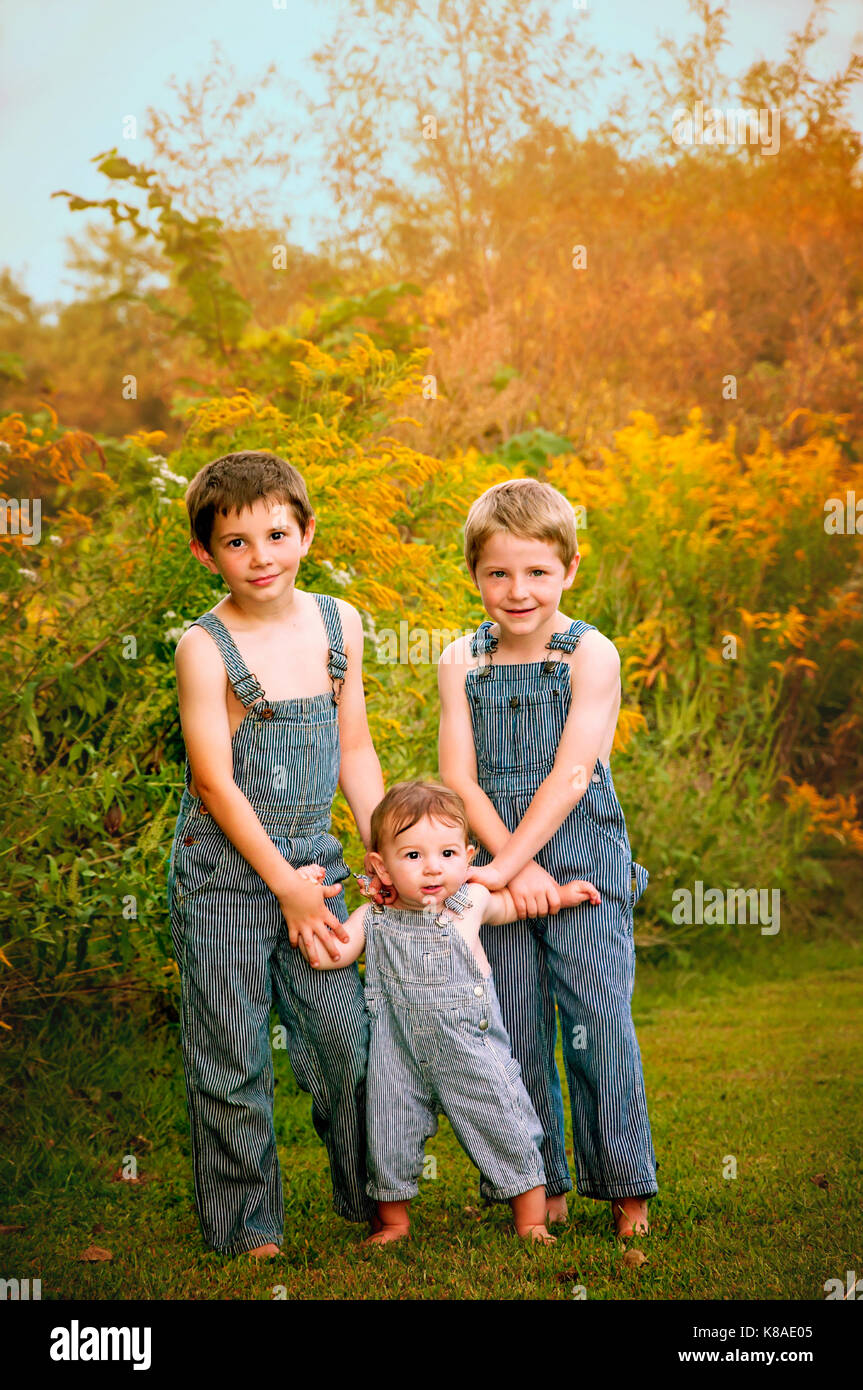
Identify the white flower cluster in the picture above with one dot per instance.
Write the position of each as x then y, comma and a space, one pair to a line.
369, 628
339, 576
174, 634
162, 475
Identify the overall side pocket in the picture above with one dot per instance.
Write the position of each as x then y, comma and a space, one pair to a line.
201, 851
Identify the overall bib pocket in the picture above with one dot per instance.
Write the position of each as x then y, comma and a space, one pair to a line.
516, 732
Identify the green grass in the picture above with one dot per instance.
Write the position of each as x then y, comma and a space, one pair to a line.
753, 1055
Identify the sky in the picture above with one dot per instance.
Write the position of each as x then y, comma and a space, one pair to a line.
72, 70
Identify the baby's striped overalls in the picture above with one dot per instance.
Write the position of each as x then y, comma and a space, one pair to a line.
438, 1045
582, 957
232, 947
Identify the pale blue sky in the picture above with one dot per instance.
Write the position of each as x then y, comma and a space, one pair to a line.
70, 70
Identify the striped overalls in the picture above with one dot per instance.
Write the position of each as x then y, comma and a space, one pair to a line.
232, 947
582, 957
438, 1045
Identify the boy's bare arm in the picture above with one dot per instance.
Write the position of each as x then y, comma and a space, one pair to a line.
201, 689
456, 751
535, 892
360, 776
596, 687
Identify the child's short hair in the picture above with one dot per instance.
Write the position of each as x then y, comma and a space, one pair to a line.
527, 508
407, 802
237, 481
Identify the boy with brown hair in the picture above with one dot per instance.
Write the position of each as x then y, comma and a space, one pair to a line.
265, 753
529, 707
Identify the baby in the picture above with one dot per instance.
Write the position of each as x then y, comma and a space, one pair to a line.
438, 1044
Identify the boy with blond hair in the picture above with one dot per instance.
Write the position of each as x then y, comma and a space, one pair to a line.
265, 753
529, 707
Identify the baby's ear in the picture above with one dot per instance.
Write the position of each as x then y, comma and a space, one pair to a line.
471, 851
379, 866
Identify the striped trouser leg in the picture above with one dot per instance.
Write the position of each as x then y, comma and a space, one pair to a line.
591, 958
324, 1014
226, 1001
517, 961
401, 1111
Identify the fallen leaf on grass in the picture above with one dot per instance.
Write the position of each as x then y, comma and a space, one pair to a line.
634, 1258
471, 1211
820, 1180
5, 1230
94, 1253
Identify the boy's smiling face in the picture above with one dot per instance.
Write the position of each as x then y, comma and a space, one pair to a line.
424, 863
257, 551
521, 581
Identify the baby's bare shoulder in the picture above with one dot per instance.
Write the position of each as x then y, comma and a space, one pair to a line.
475, 896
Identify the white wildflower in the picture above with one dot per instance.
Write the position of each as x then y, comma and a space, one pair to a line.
174, 634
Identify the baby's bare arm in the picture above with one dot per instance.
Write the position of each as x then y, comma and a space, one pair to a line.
501, 907
356, 934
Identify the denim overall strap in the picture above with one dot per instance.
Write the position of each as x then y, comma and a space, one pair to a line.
245, 686
484, 643
482, 640
568, 641
561, 642
337, 664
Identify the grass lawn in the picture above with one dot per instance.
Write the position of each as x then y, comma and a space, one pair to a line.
751, 1060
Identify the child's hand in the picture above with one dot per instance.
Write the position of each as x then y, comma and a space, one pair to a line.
488, 876
315, 872
579, 891
309, 920
534, 892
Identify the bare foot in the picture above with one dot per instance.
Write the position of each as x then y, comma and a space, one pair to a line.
555, 1207
630, 1217
264, 1252
385, 1234
539, 1235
